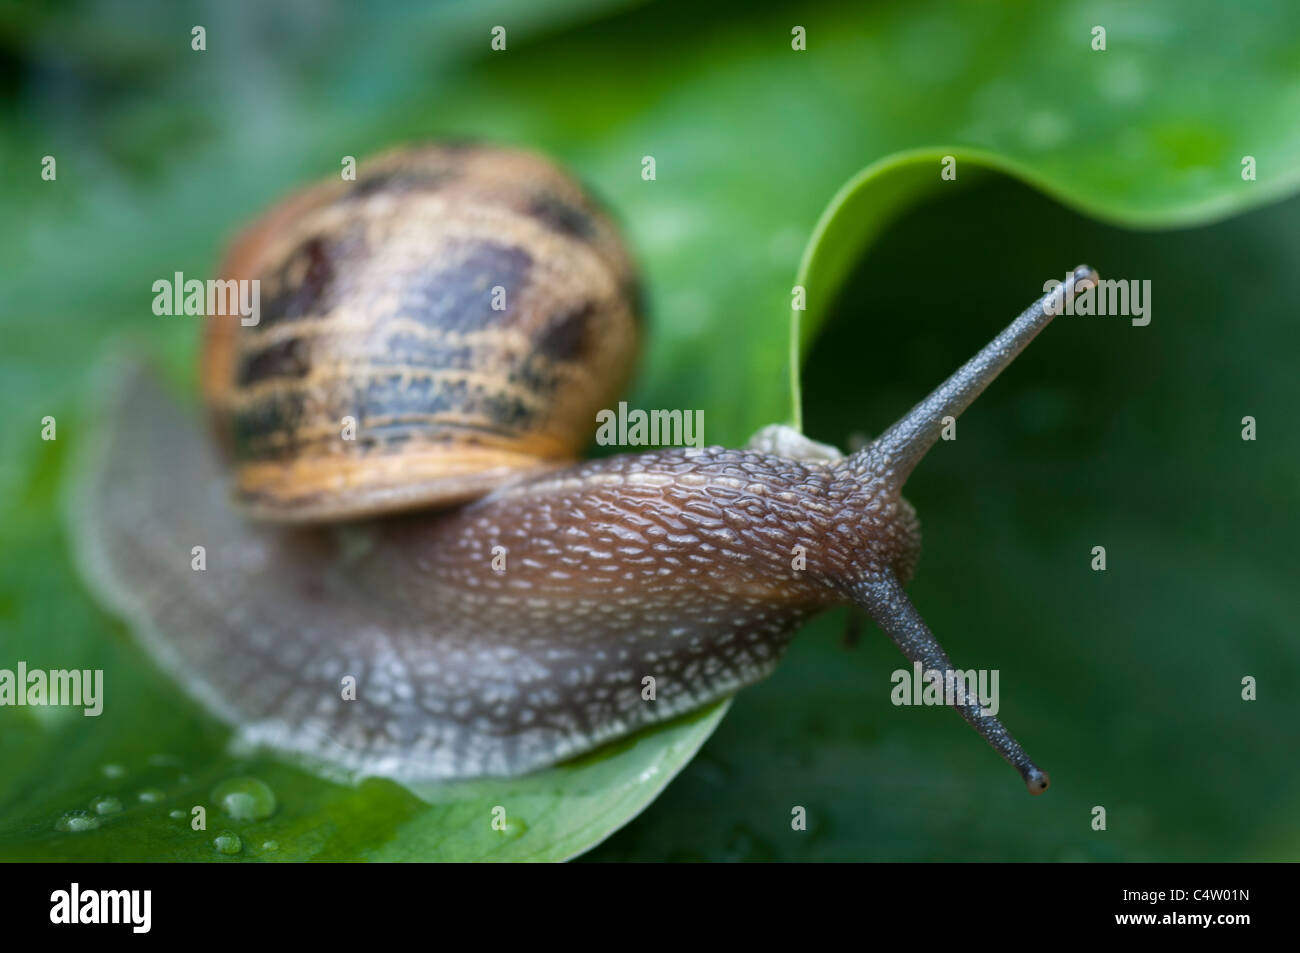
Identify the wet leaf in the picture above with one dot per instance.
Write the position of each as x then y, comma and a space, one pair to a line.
163, 153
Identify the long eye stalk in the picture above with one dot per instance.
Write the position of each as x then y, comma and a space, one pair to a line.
887, 603
904, 444
897, 452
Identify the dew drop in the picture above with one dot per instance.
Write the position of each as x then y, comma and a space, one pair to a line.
106, 804
227, 842
113, 771
270, 845
150, 795
245, 799
77, 821
176, 814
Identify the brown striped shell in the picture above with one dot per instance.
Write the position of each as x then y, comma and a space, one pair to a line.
377, 304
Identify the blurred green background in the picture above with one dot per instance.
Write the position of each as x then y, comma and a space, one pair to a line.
1125, 685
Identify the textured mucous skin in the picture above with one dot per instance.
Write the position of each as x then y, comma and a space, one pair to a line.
675, 564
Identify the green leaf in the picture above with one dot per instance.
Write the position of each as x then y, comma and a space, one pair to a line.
1126, 684
869, 203
162, 154
152, 794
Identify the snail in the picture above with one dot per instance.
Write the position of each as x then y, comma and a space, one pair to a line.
495, 603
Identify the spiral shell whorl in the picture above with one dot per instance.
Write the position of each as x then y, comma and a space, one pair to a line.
382, 301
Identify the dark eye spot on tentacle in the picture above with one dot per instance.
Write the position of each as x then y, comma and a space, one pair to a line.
560, 216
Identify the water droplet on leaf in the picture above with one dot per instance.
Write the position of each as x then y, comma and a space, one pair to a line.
227, 842
77, 821
106, 804
245, 799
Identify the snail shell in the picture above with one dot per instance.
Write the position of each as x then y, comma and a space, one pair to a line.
469, 308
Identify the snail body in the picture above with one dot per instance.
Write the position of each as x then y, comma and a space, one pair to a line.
506, 633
